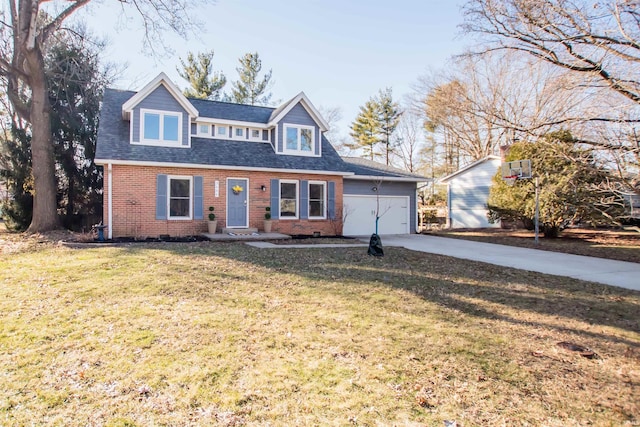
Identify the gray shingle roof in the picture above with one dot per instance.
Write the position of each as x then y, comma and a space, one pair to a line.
229, 111
366, 167
113, 143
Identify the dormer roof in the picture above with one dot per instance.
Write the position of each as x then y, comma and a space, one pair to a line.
161, 79
303, 100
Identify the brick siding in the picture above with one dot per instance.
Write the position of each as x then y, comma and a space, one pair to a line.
134, 202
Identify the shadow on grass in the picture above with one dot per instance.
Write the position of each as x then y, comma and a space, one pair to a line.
476, 289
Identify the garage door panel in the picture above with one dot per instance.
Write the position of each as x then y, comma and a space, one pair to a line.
360, 215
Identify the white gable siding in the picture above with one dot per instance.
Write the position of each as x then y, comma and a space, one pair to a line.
299, 116
160, 99
468, 193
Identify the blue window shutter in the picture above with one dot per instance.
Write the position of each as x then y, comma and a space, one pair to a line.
275, 198
331, 193
198, 207
304, 199
161, 197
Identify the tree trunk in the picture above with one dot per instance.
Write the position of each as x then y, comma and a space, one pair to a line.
45, 216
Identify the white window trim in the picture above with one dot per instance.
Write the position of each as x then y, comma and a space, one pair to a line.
235, 133
179, 218
205, 134
324, 202
252, 138
225, 135
160, 142
298, 151
289, 181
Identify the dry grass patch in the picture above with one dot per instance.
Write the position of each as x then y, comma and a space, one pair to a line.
608, 244
225, 334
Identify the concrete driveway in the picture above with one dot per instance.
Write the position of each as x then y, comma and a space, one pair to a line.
608, 272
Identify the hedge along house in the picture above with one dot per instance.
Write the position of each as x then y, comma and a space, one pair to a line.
468, 193
167, 159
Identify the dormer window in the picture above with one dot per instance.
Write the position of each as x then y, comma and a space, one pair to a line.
299, 139
204, 130
160, 127
222, 130
239, 132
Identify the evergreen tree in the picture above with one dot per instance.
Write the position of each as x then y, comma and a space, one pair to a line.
389, 115
250, 88
570, 187
366, 128
205, 83
15, 170
76, 82
375, 124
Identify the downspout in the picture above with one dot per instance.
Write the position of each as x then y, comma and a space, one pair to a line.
110, 201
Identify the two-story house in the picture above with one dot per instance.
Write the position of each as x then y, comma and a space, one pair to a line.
167, 159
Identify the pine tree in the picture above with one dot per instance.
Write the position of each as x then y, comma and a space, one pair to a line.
250, 88
375, 124
76, 81
205, 83
366, 128
389, 115
15, 170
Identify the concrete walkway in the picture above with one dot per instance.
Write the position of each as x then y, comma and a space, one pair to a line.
608, 272
599, 270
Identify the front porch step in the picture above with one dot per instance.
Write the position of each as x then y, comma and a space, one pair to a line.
239, 230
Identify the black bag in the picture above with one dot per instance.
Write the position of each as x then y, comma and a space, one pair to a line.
375, 246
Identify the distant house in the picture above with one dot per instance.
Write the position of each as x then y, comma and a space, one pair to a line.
468, 192
167, 158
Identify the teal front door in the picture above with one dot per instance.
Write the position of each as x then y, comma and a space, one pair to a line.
237, 206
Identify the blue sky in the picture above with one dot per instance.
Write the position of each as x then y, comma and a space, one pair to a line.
340, 53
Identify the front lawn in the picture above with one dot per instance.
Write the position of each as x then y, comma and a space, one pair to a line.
226, 334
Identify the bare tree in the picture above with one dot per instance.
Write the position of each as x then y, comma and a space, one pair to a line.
600, 40
409, 140
26, 27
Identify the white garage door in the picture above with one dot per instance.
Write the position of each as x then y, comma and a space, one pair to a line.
360, 212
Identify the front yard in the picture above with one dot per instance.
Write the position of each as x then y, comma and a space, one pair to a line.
225, 334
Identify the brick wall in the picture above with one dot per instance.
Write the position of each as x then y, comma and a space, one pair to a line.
134, 202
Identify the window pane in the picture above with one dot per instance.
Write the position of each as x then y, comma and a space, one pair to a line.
287, 190
170, 132
179, 188
292, 138
255, 133
316, 191
179, 207
305, 139
239, 132
222, 130
204, 129
316, 208
151, 126
287, 208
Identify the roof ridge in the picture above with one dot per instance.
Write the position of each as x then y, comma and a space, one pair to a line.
230, 103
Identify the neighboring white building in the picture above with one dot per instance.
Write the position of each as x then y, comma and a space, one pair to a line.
468, 192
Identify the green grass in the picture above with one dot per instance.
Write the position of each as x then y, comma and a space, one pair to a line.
225, 334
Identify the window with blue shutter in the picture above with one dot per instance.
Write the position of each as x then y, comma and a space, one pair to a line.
198, 208
331, 208
304, 199
161, 197
275, 198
